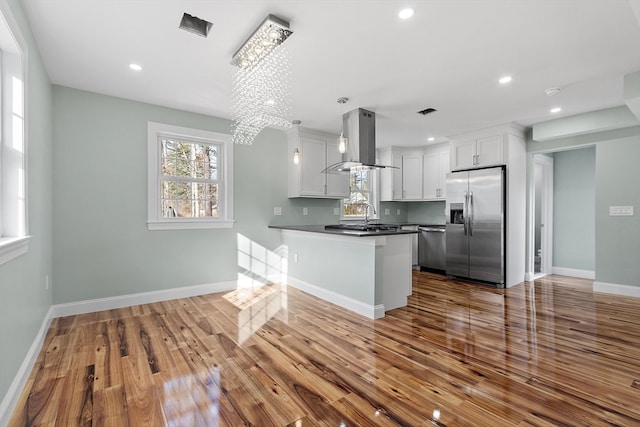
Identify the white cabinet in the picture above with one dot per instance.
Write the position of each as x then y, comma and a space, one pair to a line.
475, 153
414, 242
404, 182
412, 177
422, 174
317, 151
435, 166
390, 178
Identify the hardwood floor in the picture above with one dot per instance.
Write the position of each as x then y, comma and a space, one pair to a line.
547, 353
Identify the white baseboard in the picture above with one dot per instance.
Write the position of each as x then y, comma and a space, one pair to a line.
100, 304
367, 310
614, 288
10, 399
583, 274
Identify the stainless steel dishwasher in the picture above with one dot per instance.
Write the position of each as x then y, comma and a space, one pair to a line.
432, 252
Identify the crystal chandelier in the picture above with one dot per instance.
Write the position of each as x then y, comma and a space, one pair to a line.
261, 91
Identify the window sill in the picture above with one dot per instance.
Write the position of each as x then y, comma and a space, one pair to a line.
13, 247
188, 224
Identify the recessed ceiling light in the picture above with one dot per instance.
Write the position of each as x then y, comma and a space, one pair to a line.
431, 139
406, 13
555, 110
504, 80
135, 67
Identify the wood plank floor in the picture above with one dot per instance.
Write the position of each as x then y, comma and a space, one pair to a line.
549, 353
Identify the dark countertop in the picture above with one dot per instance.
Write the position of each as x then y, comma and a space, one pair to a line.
354, 233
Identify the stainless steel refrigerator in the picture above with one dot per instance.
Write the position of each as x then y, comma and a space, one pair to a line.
475, 230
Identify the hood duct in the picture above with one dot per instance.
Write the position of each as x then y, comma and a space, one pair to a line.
360, 130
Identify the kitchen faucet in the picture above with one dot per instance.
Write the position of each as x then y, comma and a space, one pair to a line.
366, 212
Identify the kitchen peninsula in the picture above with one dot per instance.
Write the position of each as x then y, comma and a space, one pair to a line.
366, 270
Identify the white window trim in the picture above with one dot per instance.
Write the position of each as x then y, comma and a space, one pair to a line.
374, 194
155, 221
12, 246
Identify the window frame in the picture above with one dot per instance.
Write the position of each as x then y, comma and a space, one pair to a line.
14, 212
373, 181
155, 219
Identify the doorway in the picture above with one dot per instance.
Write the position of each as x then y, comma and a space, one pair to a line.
543, 215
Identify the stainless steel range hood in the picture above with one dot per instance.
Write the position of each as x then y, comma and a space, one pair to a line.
360, 129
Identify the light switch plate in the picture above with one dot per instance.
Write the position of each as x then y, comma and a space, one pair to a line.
336, 211
387, 211
277, 210
620, 210
305, 211
397, 211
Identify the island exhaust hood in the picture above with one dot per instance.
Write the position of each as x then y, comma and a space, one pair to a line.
360, 130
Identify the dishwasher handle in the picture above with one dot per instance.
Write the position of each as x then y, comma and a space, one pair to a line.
432, 229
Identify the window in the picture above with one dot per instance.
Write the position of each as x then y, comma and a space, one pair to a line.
362, 194
13, 201
190, 178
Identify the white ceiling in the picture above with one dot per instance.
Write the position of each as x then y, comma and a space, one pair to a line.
449, 56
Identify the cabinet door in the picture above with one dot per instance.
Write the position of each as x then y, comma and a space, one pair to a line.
443, 170
412, 177
431, 176
463, 154
490, 151
313, 158
337, 184
396, 161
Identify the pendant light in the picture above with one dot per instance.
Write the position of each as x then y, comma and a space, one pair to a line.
342, 141
296, 151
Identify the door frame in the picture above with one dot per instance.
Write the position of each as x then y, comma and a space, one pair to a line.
546, 202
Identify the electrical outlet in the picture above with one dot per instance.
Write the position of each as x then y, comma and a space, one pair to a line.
620, 210
387, 211
277, 211
397, 211
336, 211
305, 211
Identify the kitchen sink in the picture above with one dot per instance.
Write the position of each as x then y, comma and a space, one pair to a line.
362, 227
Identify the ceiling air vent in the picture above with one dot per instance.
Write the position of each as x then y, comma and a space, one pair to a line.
195, 25
427, 111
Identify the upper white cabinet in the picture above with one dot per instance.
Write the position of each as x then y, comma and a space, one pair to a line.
477, 152
435, 166
404, 181
412, 177
421, 174
317, 151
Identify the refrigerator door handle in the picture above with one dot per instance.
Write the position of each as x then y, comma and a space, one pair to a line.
465, 211
470, 213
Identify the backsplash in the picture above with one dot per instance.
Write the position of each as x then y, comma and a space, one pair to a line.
426, 212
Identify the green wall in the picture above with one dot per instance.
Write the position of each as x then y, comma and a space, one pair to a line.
618, 184
24, 301
102, 247
574, 181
